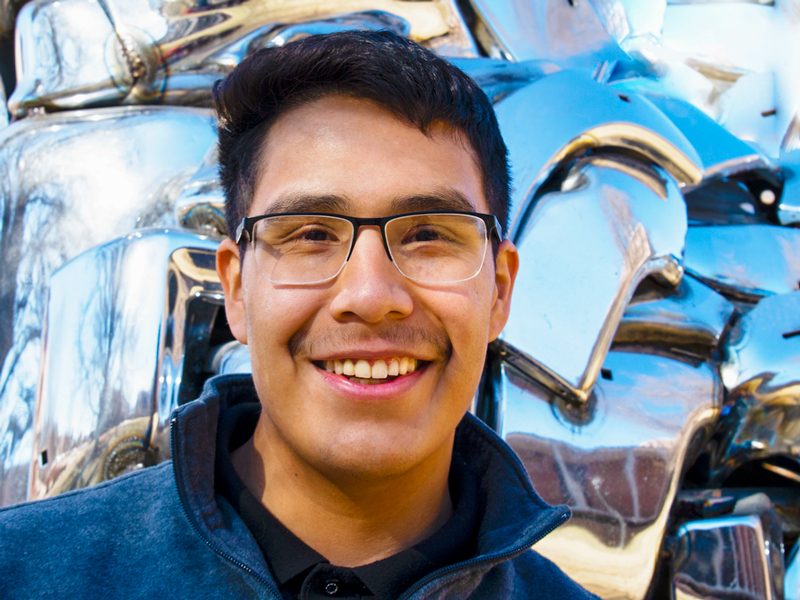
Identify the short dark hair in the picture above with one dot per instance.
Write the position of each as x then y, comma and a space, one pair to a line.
412, 83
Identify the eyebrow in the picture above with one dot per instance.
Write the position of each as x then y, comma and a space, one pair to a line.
330, 203
443, 199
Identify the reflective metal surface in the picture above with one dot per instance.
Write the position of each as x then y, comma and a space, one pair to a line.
232, 357
745, 262
76, 53
200, 205
568, 33
789, 206
127, 326
749, 54
722, 153
692, 316
761, 375
616, 461
584, 251
69, 182
791, 584
499, 78
733, 557
567, 114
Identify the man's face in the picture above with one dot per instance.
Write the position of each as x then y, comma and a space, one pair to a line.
348, 156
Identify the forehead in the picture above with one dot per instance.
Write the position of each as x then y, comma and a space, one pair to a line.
351, 156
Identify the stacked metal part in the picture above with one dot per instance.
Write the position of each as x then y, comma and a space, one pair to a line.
648, 376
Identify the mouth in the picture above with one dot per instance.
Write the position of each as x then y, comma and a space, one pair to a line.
372, 372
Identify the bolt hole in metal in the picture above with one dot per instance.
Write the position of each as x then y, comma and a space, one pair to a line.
44, 457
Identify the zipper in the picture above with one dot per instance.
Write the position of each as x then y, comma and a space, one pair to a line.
481, 560
267, 583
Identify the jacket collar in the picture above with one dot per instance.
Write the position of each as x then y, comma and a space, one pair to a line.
514, 516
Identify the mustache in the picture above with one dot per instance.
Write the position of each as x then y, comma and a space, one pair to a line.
309, 342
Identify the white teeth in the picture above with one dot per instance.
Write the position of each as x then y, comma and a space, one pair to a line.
403, 366
379, 370
359, 369
394, 367
362, 369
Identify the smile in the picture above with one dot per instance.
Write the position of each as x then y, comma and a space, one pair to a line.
372, 372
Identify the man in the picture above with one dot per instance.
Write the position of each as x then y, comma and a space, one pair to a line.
367, 191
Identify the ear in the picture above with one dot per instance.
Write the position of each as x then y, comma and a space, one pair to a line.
230, 277
506, 267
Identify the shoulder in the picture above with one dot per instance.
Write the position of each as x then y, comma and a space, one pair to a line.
109, 501
73, 538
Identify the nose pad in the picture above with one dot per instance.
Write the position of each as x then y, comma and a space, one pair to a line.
370, 287
381, 239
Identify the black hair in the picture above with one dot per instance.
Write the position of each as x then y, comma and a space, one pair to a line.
412, 83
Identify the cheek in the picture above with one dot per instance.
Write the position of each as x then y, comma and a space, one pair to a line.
275, 315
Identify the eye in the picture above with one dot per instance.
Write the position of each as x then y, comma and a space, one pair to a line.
422, 234
316, 234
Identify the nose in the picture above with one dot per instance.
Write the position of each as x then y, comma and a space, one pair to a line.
370, 288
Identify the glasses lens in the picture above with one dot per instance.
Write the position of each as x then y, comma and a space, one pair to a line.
437, 248
301, 249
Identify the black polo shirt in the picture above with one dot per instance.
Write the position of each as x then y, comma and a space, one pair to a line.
303, 573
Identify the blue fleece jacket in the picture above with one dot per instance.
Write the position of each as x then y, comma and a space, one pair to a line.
163, 533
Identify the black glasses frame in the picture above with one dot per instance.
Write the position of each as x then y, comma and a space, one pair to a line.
493, 226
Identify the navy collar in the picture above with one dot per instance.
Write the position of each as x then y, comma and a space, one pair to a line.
512, 516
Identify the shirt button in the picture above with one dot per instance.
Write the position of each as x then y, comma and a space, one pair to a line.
332, 587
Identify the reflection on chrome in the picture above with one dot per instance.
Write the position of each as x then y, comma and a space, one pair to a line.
733, 557
566, 114
792, 580
789, 207
745, 262
569, 33
81, 53
584, 250
762, 408
71, 181
616, 460
692, 316
103, 408
722, 153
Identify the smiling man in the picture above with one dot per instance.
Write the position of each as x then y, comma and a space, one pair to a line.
367, 194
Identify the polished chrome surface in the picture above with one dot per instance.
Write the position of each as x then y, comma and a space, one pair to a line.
120, 320
567, 114
748, 53
746, 262
791, 583
761, 375
568, 33
732, 557
69, 182
76, 53
232, 357
616, 460
789, 205
583, 252
722, 153
499, 78
691, 316
200, 205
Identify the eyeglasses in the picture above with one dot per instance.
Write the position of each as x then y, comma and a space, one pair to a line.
428, 247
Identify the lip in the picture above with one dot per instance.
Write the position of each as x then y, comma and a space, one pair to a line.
371, 393
371, 355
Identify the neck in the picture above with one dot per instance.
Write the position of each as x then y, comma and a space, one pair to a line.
351, 521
